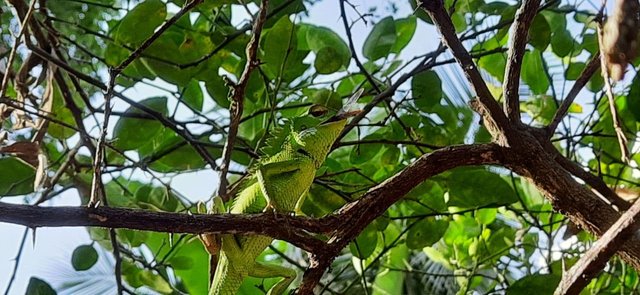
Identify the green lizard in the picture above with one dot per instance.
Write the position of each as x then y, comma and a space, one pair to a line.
277, 183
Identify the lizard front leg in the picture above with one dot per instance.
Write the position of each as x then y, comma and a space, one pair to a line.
269, 174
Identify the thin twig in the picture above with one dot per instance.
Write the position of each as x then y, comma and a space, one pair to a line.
17, 260
56, 177
229, 38
237, 97
97, 188
14, 50
622, 138
116, 255
369, 77
134, 55
585, 76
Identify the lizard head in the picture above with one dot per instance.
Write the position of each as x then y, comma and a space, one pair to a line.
315, 133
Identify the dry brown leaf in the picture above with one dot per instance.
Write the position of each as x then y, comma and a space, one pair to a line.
25, 150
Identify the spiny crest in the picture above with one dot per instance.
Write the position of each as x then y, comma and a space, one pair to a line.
277, 139
280, 135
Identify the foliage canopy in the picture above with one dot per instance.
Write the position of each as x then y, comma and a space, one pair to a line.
478, 228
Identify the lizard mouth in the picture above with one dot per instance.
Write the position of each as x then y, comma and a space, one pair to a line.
341, 116
344, 113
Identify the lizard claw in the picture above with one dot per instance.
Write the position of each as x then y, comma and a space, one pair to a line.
269, 208
93, 205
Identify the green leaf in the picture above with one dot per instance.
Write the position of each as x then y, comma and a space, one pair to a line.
364, 245
461, 230
361, 154
425, 233
155, 282
194, 278
590, 43
533, 72
321, 201
184, 158
381, 39
327, 61
180, 47
596, 83
541, 108
61, 113
181, 262
472, 188
281, 55
141, 21
387, 281
218, 91
84, 257
321, 37
420, 13
633, 99
486, 216
390, 156
562, 43
16, 177
494, 64
427, 90
405, 29
557, 20
542, 283
39, 287
574, 70
326, 98
131, 132
192, 95
539, 33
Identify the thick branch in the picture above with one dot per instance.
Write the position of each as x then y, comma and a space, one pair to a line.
593, 181
595, 259
354, 217
290, 228
519, 37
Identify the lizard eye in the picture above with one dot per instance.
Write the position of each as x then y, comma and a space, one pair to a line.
318, 110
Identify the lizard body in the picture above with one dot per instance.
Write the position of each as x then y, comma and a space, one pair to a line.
277, 183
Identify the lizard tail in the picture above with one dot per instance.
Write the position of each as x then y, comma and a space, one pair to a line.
227, 278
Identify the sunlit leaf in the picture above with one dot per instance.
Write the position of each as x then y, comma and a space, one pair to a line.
381, 39
16, 177
533, 72
139, 23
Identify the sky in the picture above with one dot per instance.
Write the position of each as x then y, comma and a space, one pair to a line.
49, 258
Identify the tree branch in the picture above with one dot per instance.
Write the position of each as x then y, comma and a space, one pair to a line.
237, 97
495, 120
588, 71
592, 262
352, 218
519, 36
290, 228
